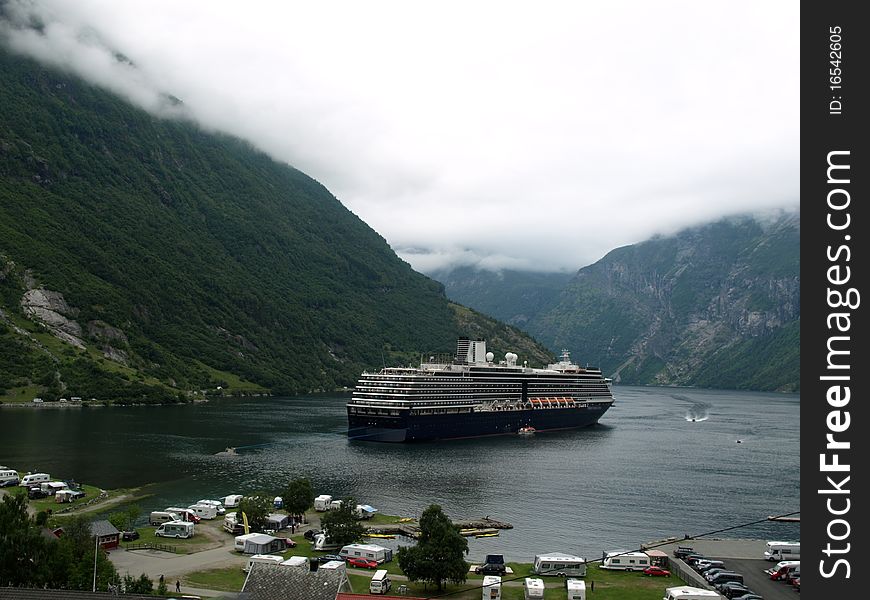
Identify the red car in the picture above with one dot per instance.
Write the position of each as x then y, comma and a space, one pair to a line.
656, 572
363, 563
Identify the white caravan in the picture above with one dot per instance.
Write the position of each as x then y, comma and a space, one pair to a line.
321, 503
533, 589
491, 588
689, 593
625, 561
271, 559
558, 564
576, 589
373, 552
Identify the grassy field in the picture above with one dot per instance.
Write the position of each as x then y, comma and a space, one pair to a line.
182, 546
229, 579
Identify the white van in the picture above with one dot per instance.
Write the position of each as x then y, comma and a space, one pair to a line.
219, 507
782, 551
685, 592
558, 564
204, 511
176, 529
380, 583
8, 478
184, 514
158, 517
34, 479
533, 589
262, 558
576, 589
491, 588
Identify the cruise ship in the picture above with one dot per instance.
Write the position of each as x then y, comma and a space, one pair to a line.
472, 396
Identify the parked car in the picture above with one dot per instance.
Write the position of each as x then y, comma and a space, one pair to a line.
682, 551
491, 569
654, 571
310, 534
748, 597
36, 493
289, 543
129, 536
732, 588
691, 559
329, 557
706, 565
362, 563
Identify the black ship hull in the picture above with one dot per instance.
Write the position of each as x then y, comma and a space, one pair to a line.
405, 427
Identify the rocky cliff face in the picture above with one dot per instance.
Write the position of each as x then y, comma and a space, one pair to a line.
715, 306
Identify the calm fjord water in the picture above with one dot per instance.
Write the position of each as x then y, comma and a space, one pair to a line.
646, 472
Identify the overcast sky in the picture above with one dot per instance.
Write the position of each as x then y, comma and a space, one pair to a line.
503, 134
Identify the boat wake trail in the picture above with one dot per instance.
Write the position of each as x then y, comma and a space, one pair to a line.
697, 411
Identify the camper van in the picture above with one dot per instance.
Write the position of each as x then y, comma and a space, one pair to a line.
685, 592
232, 523
204, 511
232, 501
161, 516
219, 508
184, 514
576, 589
491, 588
782, 551
176, 529
625, 561
322, 502
380, 583
34, 479
271, 559
782, 569
334, 505
296, 561
558, 564
373, 552
533, 588
8, 477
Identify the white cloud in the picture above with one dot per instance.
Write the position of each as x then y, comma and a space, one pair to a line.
493, 133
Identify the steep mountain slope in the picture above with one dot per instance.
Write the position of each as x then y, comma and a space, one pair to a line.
511, 296
141, 258
713, 306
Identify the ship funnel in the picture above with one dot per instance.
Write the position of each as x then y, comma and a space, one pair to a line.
470, 353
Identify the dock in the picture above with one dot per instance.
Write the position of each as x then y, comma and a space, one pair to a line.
468, 527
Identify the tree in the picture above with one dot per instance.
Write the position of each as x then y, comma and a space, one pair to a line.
256, 508
119, 520
298, 497
341, 525
133, 513
438, 555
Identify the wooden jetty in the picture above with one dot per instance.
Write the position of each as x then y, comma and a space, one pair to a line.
468, 527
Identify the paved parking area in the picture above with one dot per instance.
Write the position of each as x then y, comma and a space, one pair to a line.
758, 581
743, 556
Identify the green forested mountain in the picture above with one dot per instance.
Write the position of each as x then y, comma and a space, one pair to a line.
509, 295
141, 257
714, 306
